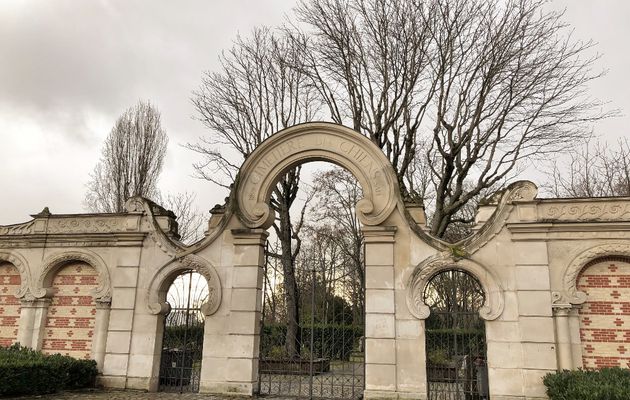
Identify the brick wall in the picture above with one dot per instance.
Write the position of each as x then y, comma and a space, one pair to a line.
9, 304
70, 320
605, 317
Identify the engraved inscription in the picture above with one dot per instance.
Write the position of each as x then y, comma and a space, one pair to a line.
366, 162
314, 142
274, 157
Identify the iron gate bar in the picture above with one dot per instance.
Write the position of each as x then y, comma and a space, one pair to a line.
455, 338
331, 369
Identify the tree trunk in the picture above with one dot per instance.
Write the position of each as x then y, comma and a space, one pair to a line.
292, 340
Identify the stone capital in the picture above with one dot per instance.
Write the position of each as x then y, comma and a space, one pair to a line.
379, 234
561, 310
248, 237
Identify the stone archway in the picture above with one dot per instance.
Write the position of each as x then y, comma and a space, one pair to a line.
381, 197
316, 142
103, 290
422, 274
155, 296
22, 266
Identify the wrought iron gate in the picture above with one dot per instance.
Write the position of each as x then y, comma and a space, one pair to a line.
455, 338
182, 345
329, 358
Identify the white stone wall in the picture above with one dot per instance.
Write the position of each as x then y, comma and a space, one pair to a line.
527, 256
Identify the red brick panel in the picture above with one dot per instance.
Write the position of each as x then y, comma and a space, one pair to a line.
605, 317
70, 320
9, 304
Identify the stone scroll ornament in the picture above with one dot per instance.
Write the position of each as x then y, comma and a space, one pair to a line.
422, 274
140, 205
103, 291
316, 142
570, 293
520, 191
164, 277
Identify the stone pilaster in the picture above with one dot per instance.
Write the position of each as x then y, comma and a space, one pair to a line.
380, 313
563, 336
243, 327
118, 371
576, 340
101, 325
28, 309
39, 322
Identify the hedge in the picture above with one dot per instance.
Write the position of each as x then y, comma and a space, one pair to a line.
333, 341
442, 343
603, 384
24, 371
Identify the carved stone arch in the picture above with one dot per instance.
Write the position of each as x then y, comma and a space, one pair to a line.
162, 280
422, 274
53, 263
570, 294
21, 265
316, 142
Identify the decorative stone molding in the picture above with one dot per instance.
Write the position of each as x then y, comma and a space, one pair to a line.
422, 274
585, 210
21, 264
17, 229
86, 225
316, 142
53, 263
156, 294
521, 191
570, 294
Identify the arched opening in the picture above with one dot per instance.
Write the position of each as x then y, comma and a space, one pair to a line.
330, 373
71, 315
313, 309
455, 337
182, 342
605, 316
9, 304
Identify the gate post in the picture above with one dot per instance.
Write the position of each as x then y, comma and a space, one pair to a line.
241, 369
380, 313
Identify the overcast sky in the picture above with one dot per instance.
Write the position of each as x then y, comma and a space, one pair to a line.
68, 69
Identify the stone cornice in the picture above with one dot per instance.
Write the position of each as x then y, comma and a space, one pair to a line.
142, 218
522, 231
122, 239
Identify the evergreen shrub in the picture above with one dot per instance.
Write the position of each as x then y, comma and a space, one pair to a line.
24, 371
603, 384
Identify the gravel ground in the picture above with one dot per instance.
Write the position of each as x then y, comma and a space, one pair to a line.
125, 395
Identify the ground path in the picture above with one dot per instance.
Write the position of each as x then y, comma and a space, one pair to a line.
125, 395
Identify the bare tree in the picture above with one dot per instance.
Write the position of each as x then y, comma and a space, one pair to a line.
487, 84
333, 219
259, 90
131, 160
483, 85
596, 170
190, 223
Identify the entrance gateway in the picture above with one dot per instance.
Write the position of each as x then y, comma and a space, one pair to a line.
527, 258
